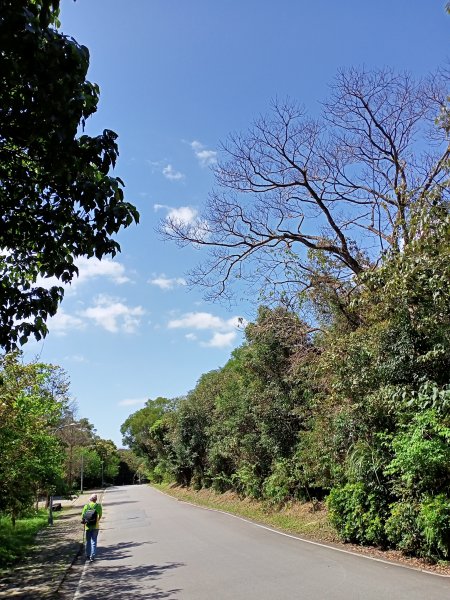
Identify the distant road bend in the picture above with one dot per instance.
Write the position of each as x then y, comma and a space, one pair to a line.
152, 546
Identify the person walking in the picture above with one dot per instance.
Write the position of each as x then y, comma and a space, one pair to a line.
90, 516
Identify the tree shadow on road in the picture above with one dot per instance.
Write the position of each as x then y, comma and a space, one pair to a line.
119, 551
126, 582
108, 503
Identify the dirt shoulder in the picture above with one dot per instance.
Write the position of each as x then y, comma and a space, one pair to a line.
305, 520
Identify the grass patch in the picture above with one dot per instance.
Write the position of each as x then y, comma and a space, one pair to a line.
302, 519
16, 542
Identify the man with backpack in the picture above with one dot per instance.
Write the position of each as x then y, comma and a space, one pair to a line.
90, 516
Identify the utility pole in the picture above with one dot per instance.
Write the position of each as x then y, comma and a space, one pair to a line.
82, 472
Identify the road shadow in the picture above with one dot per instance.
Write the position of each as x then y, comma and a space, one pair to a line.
104, 579
119, 551
118, 502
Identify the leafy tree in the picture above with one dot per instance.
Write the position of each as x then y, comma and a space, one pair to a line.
189, 434
144, 431
32, 457
58, 200
109, 458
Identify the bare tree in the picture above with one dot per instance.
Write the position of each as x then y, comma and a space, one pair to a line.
342, 188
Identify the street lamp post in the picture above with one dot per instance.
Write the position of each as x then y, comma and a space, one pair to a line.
82, 473
103, 482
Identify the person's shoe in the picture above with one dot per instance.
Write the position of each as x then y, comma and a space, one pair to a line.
91, 559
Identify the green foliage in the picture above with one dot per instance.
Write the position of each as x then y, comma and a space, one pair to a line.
282, 484
421, 528
402, 529
421, 462
247, 481
16, 541
31, 455
357, 514
58, 200
434, 522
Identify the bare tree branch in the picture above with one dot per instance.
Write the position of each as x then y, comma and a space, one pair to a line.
344, 186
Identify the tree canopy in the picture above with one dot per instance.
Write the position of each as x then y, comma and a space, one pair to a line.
58, 200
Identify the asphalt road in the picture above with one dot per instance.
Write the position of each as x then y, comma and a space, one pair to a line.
152, 546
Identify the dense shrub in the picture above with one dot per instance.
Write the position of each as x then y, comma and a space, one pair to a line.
402, 529
421, 528
434, 523
357, 514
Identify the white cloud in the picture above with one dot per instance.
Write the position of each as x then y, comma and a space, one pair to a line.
132, 402
62, 323
199, 320
89, 269
113, 315
92, 268
166, 283
183, 214
170, 173
77, 358
224, 331
204, 320
221, 340
205, 157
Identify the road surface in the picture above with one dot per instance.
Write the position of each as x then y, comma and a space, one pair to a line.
152, 546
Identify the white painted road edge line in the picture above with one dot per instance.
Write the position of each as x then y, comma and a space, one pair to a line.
306, 541
77, 591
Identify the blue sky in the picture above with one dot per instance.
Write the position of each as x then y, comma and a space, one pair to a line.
176, 78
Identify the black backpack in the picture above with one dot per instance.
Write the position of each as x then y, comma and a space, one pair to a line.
90, 517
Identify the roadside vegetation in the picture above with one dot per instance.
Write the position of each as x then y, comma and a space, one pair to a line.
16, 541
46, 451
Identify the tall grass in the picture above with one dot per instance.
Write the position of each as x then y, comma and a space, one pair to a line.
16, 542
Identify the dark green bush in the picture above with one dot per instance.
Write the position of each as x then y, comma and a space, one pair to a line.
434, 522
402, 530
357, 514
421, 528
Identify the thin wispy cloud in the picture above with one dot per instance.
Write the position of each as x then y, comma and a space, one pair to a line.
62, 323
204, 156
170, 173
167, 283
76, 358
132, 402
205, 320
